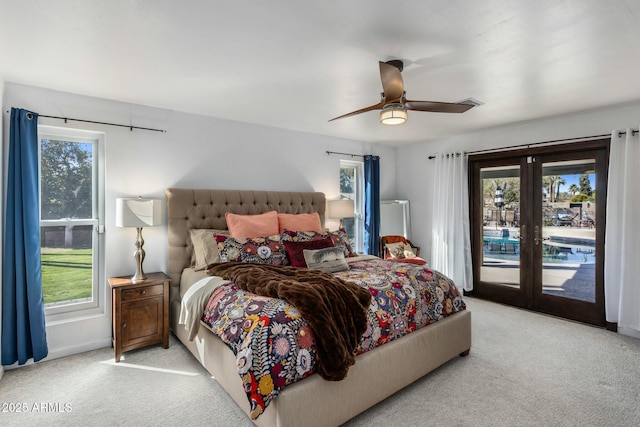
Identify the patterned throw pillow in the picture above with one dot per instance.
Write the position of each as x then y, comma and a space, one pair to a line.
400, 250
327, 259
259, 250
295, 249
339, 238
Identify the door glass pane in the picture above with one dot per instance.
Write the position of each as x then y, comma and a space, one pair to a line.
568, 229
501, 221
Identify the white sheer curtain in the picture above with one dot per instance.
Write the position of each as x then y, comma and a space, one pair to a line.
450, 235
622, 241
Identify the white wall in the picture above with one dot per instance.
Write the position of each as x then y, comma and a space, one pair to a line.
195, 152
418, 170
203, 152
1, 216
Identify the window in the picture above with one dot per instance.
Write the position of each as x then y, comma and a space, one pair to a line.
71, 194
352, 187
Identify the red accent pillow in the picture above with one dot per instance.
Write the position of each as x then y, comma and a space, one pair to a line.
295, 250
339, 237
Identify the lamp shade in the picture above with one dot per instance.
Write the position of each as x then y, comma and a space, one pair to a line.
393, 114
138, 212
341, 208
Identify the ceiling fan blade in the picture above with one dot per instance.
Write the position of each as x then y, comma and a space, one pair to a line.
437, 107
378, 106
392, 83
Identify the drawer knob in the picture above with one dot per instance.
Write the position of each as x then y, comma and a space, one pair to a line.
124, 325
144, 292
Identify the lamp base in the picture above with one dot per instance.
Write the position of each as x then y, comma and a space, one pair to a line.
138, 254
138, 279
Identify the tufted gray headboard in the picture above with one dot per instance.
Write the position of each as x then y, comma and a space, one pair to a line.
195, 208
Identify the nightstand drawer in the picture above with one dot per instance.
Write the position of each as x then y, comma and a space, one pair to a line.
143, 292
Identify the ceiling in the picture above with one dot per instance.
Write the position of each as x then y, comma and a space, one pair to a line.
297, 64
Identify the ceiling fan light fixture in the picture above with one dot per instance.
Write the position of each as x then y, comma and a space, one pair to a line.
393, 114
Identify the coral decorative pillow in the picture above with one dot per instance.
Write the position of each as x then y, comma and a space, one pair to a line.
416, 260
299, 222
250, 226
295, 249
260, 250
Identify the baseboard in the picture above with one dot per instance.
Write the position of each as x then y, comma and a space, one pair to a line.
67, 351
629, 332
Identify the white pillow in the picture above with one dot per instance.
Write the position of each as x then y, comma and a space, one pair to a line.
326, 259
205, 247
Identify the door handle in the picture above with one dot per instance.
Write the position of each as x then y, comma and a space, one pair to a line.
536, 235
523, 233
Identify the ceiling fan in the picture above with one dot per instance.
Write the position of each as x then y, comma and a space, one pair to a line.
394, 104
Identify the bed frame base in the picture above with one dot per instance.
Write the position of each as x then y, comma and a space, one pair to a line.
376, 375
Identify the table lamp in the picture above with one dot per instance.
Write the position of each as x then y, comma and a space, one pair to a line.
343, 208
138, 213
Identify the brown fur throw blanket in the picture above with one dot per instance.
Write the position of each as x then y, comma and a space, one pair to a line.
335, 310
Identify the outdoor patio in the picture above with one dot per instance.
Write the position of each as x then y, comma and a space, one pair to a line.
568, 260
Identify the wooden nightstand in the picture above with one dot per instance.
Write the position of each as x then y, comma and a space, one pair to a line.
140, 312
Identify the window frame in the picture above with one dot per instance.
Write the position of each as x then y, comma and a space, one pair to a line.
358, 216
68, 309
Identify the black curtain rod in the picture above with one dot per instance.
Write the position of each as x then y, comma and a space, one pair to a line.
345, 154
131, 128
532, 144
447, 155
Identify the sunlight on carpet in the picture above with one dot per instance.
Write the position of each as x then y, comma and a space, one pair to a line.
149, 368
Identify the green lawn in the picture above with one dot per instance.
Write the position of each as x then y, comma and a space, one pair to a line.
66, 274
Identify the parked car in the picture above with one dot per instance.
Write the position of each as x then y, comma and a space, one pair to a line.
562, 218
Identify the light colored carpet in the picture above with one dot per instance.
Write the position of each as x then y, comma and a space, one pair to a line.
524, 369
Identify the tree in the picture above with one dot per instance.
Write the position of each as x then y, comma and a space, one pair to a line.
347, 176
509, 186
512, 190
585, 185
66, 179
559, 182
488, 189
549, 184
573, 189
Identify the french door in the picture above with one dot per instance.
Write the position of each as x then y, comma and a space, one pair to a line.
538, 221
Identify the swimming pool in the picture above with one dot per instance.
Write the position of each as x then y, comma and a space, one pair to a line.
555, 249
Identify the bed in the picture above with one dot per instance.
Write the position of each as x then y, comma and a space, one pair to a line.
313, 401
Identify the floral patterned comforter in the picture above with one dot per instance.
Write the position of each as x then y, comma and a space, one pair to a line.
274, 345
